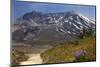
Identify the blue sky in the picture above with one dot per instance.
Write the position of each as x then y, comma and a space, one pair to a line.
20, 8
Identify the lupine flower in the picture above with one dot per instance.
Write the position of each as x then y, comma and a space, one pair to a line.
80, 54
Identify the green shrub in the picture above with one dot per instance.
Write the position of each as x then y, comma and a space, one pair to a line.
86, 32
76, 42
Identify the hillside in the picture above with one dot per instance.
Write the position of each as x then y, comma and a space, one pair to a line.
65, 52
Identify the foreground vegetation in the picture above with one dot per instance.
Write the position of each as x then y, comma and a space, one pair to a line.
17, 57
66, 52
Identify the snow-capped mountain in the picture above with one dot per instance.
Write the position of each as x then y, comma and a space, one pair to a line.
51, 26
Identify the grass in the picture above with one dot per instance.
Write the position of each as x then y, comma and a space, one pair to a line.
17, 57
65, 52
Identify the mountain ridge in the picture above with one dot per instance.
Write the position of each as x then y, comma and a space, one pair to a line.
53, 26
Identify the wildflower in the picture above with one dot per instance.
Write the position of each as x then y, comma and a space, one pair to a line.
80, 55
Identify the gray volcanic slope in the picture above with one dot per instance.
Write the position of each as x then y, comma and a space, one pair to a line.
50, 26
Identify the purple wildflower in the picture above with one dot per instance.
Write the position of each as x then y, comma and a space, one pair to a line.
79, 54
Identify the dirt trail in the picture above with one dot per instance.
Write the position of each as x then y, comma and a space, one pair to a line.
34, 57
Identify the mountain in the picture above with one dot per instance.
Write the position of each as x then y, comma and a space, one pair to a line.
50, 26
